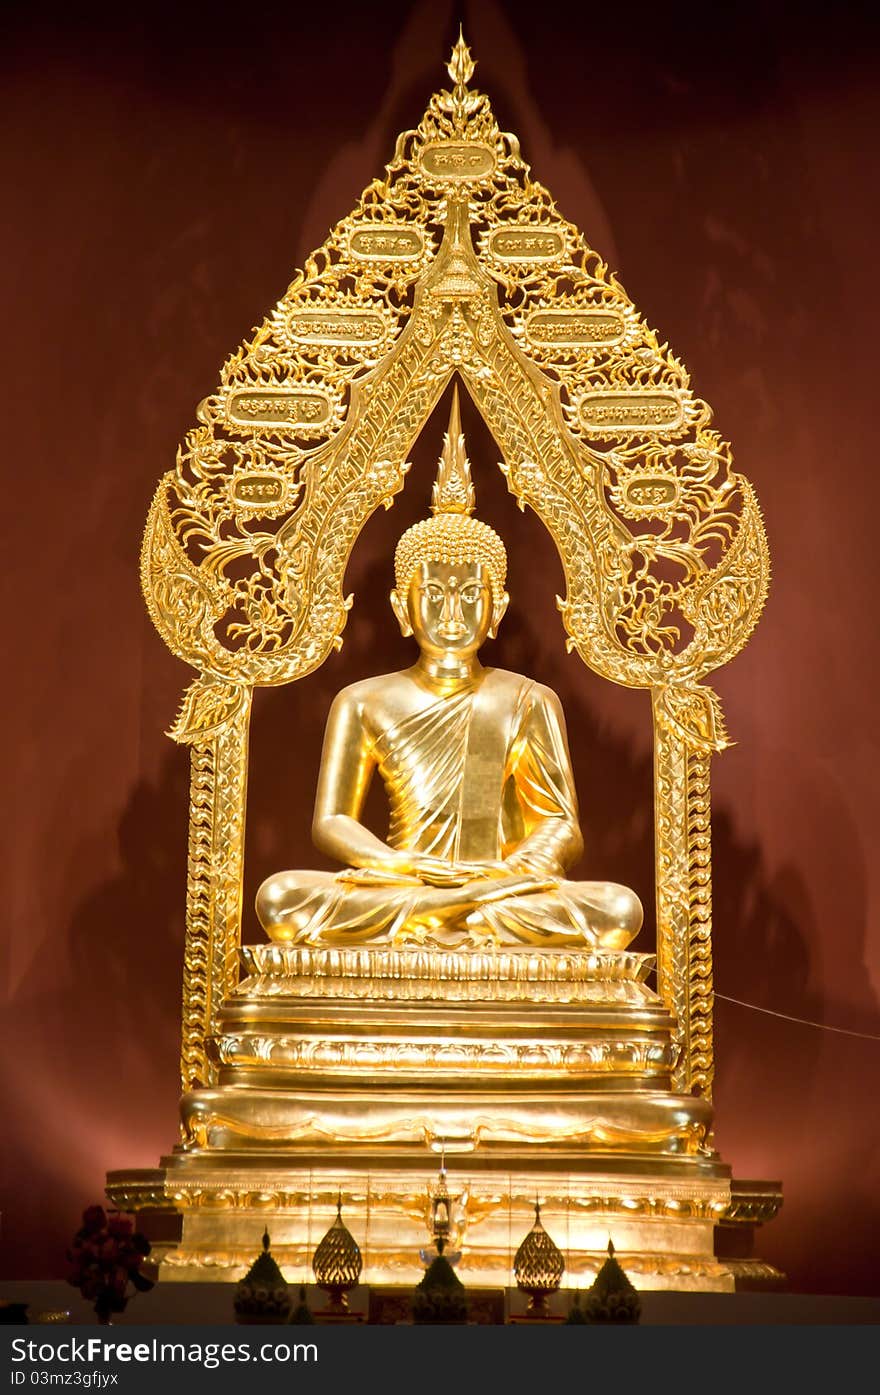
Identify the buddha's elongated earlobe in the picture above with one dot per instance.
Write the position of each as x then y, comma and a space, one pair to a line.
498, 612
402, 614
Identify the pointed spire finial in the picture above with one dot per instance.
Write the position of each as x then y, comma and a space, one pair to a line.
460, 66
453, 490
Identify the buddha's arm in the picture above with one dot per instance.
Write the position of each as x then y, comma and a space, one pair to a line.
346, 770
347, 765
544, 787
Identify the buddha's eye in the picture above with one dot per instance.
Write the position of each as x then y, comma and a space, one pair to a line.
471, 594
434, 594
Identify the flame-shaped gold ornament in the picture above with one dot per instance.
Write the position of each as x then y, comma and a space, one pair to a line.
337, 1263
538, 1266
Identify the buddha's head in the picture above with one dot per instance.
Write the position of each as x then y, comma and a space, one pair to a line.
450, 569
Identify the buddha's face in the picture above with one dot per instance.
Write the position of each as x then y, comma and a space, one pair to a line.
449, 608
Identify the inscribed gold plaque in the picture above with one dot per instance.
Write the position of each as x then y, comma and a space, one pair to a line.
386, 243
574, 329
269, 407
526, 244
458, 160
630, 411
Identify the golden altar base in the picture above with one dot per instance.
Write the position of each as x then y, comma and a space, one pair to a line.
347, 1072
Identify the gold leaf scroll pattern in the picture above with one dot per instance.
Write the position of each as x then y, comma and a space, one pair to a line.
337, 281
270, 598
218, 782
648, 471
559, 481
340, 489
213, 498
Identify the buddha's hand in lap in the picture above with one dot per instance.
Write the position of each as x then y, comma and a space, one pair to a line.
510, 884
421, 869
401, 868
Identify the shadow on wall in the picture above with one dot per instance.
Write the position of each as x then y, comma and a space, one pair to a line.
95, 1083
787, 1093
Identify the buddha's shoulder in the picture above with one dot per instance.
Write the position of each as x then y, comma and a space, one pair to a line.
368, 691
526, 688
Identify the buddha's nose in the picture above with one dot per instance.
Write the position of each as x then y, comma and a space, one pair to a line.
452, 619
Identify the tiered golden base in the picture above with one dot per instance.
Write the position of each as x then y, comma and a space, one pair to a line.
348, 1071
661, 1223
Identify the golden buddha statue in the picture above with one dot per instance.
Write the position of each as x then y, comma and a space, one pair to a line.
450, 991
475, 763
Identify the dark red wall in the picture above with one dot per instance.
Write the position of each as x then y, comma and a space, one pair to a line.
163, 176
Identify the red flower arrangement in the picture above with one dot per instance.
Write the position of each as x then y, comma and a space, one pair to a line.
105, 1259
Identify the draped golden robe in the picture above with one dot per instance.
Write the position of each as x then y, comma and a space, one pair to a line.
478, 776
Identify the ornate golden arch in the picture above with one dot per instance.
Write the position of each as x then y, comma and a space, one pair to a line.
455, 262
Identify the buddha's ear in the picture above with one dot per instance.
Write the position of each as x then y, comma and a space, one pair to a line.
400, 610
498, 612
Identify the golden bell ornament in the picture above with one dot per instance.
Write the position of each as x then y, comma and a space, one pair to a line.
538, 1266
337, 1263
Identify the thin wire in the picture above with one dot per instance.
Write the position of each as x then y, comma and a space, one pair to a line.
787, 1017
802, 1021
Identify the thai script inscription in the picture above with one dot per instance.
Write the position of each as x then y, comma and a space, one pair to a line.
258, 488
385, 242
651, 491
526, 244
628, 411
335, 327
278, 407
458, 160
570, 329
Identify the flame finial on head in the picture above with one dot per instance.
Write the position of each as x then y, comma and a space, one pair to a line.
452, 535
453, 490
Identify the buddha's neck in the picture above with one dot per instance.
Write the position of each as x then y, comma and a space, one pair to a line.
450, 672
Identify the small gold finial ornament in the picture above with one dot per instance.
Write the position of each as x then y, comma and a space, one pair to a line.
442, 1218
453, 490
337, 1263
461, 65
538, 1266
612, 1298
452, 535
262, 1296
441, 1210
